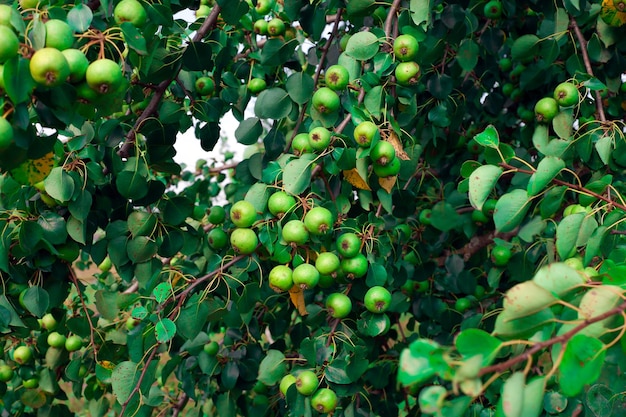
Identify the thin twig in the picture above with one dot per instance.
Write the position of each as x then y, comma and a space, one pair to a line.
140, 380
92, 338
391, 15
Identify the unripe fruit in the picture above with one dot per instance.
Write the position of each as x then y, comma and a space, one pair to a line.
500, 255
566, 94
9, 43
260, 27
217, 215
56, 340
364, 133
6, 373
211, 348
6, 12
264, 6
49, 67
338, 305
348, 245
405, 48
306, 276
294, 231
306, 382
389, 170
256, 85
217, 238
244, 241
319, 138
318, 220
280, 203
462, 304
73, 343
355, 267
6, 134
407, 73
493, 9
205, 86
78, 64
327, 263
377, 299
22, 354
337, 77
546, 109
301, 144
104, 76
30, 383
286, 382
281, 278
275, 27
479, 217
203, 11
130, 11
383, 153
425, 217
243, 214
505, 64
325, 100
48, 322
324, 400
59, 34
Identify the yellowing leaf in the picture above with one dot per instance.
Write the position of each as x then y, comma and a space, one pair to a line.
391, 137
297, 298
32, 171
388, 182
354, 178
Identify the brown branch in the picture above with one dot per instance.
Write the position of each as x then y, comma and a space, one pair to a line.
583, 49
391, 15
140, 380
564, 338
160, 89
180, 404
475, 244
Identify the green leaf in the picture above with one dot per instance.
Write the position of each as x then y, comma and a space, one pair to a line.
573, 231
581, 364
177, 209
558, 278
467, 55
444, 217
272, 368
548, 168
134, 38
300, 87
510, 210
604, 146
512, 400
165, 330
373, 100
488, 137
79, 17
162, 292
362, 45
473, 342
273, 103
249, 131
594, 244
123, 380
77, 230
416, 362
131, 184
297, 174
18, 81
541, 138
141, 249
533, 397
510, 327
525, 47
36, 300
481, 182
420, 12
563, 123
59, 184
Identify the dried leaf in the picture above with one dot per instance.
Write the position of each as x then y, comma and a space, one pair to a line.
391, 137
297, 298
388, 182
354, 178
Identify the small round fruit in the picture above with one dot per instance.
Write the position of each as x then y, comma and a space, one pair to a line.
575, 262
383, 153
355, 267
217, 238
260, 27
462, 304
78, 63
324, 400
104, 76
377, 299
256, 85
280, 203
489, 206
56, 340
6, 373
389, 170
294, 231
105, 265
30, 383
573, 209
566, 94
49, 67
281, 278
205, 86
546, 109
493, 9
59, 34
425, 217
243, 214
348, 245
306, 276
211, 348
327, 263
479, 217
264, 6
6, 134
73, 343
407, 73
275, 27
301, 144
9, 43
244, 241
325, 100
306, 382
131, 323
217, 215
286, 382
500, 255
337, 77
319, 138
202, 11
48, 322
364, 133
22, 354
319, 220
6, 12
505, 64
338, 305
130, 11
405, 48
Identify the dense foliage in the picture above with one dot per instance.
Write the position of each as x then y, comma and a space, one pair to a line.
428, 219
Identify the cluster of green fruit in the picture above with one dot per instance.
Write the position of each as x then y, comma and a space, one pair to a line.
306, 382
565, 95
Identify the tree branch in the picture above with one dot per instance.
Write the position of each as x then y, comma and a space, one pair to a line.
160, 89
391, 14
140, 380
503, 366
